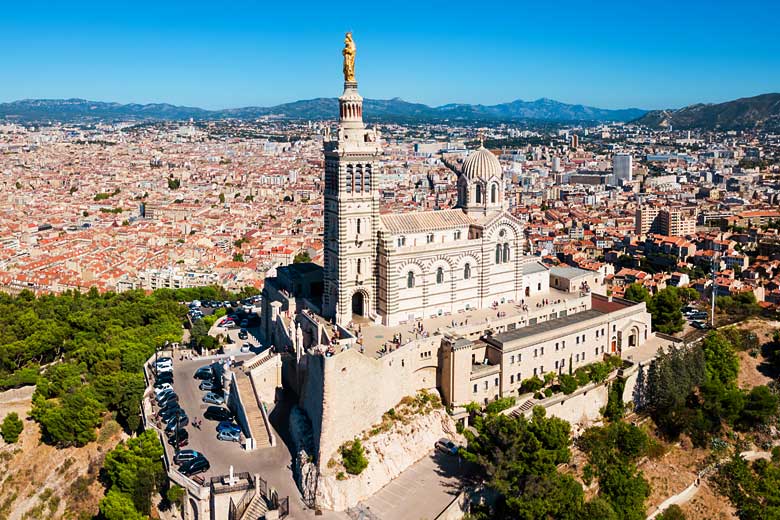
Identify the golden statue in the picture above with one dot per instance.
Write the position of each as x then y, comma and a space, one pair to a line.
349, 57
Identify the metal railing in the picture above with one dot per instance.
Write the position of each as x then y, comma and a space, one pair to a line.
243, 504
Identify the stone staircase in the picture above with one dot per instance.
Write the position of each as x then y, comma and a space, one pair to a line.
523, 408
253, 413
256, 510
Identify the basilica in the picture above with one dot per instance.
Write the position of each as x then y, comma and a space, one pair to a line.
394, 268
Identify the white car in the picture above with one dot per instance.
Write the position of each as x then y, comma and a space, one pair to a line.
246, 347
164, 368
163, 388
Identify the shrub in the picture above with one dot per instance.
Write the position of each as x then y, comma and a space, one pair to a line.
500, 404
12, 427
673, 512
568, 383
354, 457
532, 384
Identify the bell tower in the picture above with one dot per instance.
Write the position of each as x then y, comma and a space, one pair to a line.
351, 207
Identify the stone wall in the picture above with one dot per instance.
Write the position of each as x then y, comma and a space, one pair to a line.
388, 454
355, 382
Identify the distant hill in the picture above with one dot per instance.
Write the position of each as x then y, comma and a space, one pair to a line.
760, 112
81, 110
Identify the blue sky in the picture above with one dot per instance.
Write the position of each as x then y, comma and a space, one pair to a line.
610, 54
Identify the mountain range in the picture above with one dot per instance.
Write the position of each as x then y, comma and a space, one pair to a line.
396, 109
758, 112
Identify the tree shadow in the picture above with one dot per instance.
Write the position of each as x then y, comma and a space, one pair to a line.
459, 473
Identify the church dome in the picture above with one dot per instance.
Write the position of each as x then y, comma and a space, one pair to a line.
481, 164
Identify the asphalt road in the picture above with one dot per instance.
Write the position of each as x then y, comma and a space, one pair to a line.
422, 491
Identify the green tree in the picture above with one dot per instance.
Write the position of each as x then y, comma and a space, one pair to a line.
760, 405
721, 361
518, 459
119, 506
568, 383
353, 457
221, 198
238, 257
12, 427
636, 292
673, 512
135, 469
302, 257
666, 309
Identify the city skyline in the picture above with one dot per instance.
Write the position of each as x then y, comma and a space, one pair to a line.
611, 56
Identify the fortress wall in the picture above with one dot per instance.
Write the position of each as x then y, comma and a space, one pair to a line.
311, 377
359, 389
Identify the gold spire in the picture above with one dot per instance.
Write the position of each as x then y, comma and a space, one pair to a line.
349, 58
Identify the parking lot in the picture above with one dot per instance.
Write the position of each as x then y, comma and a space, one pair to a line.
220, 454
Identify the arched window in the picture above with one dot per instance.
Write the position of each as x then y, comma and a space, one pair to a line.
358, 225
498, 253
359, 266
439, 275
479, 194
467, 271
506, 252
493, 193
358, 178
349, 178
410, 279
367, 178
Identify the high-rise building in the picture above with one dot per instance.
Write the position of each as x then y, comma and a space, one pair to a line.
673, 222
622, 167
575, 141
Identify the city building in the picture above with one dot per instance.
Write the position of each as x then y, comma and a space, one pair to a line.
622, 168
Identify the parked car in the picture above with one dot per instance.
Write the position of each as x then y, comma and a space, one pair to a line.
207, 385
246, 347
164, 377
184, 456
194, 466
203, 373
177, 422
162, 382
228, 425
213, 398
244, 324
217, 413
166, 414
699, 325
163, 388
243, 334
447, 446
163, 392
167, 398
229, 435
177, 440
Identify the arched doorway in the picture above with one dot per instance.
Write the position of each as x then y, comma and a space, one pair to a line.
358, 304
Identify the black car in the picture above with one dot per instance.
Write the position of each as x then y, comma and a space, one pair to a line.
203, 373
166, 414
163, 377
170, 398
217, 413
160, 381
196, 465
182, 438
184, 456
177, 421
